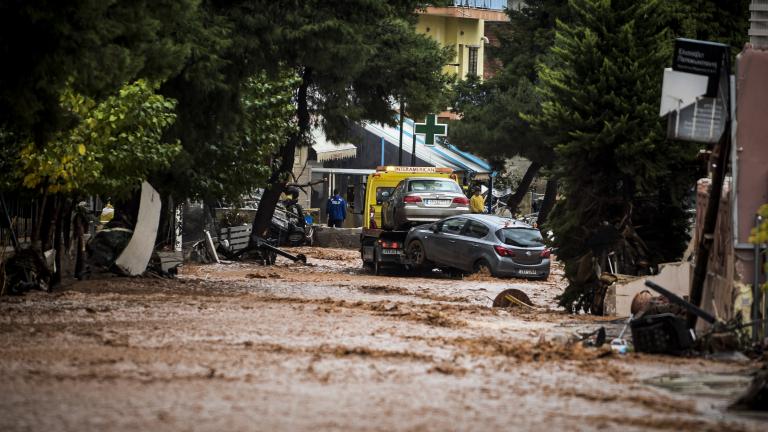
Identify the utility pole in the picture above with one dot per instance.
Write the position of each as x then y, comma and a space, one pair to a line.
402, 117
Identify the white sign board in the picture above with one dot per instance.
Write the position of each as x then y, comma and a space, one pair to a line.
680, 89
692, 116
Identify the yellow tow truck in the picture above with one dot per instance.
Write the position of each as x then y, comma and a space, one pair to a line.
379, 246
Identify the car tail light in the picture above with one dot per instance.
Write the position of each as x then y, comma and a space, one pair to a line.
502, 251
545, 253
389, 245
461, 200
411, 199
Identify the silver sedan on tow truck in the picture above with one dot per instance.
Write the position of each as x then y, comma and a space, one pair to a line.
479, 242
417, 200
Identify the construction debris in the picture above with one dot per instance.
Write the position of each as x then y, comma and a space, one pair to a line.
135, 257
756, 396
25, 270
512, 298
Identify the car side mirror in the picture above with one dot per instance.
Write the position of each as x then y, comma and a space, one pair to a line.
433, 228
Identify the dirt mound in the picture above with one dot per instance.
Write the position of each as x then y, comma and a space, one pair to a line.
263, 275
325, 253
381, 289
524, 351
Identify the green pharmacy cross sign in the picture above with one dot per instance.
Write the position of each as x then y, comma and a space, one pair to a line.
431, 128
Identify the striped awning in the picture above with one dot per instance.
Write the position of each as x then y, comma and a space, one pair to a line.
327, 150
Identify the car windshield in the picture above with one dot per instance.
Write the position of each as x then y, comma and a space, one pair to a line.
436, 185
522, 237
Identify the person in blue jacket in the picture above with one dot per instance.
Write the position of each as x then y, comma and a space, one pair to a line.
337, 210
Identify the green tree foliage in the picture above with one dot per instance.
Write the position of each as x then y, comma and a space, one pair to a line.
623, 183
492, 124
724, 21
110, 146
237, 102
355, 58
91, 46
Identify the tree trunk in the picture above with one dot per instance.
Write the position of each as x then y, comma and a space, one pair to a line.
58, 223
39, 218
80, 224
66, 232
47, 222
514, 201
279, 177
550, 194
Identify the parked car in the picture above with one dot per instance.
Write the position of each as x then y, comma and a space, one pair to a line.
416, 200
480, 242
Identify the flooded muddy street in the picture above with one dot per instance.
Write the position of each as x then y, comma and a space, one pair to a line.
329, 346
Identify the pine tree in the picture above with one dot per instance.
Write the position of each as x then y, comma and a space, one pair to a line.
622, 181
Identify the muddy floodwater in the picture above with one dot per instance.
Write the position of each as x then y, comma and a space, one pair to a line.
328, 346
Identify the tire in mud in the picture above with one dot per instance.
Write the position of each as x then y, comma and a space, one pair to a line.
417, 255
482, 267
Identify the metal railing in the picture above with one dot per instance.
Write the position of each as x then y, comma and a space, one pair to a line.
758, 29
23, 217
499, 5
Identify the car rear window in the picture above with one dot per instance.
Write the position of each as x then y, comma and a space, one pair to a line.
380, 193
521, 237
436, 185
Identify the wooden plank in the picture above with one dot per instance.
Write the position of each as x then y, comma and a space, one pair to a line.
235, 230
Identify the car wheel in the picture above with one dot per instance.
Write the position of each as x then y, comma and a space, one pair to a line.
482, 267
417, 255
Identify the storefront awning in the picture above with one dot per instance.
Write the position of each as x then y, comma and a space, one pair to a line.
327, 150
437, 155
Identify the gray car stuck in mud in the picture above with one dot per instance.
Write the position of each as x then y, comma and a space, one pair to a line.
479, 242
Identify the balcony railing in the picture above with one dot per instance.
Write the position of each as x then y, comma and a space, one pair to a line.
498, 5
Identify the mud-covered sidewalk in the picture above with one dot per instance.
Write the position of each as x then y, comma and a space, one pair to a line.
328, 346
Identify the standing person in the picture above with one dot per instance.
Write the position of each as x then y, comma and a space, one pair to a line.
477, 202
337, 210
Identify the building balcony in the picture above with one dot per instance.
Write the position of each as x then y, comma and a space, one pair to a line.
498, 5
486, 10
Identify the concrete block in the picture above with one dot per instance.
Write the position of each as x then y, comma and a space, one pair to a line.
345, 238
675, 277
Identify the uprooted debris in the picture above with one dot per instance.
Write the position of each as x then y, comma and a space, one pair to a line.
659, 326
756, 396
25, 270
512, 298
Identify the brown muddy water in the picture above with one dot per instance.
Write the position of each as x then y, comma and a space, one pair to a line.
328, 347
